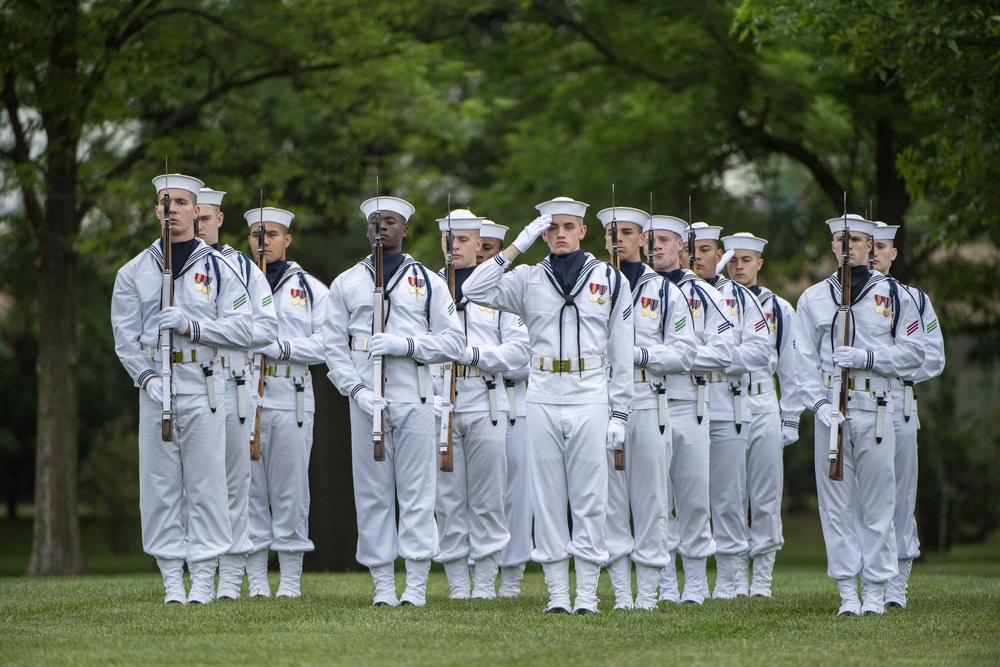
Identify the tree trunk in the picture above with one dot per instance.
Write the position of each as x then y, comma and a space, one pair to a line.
55, 548
893, 198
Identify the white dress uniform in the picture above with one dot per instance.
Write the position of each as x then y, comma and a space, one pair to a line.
575, 339
191, 467
857, 512
665, 345
279, 488
418, 307
690, 531
240, 399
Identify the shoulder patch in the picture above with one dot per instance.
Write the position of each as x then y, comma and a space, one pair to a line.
680, 324
932, 326
240, 301
451, 308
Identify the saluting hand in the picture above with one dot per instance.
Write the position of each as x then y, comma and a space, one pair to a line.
171, 317
531, 233
388, 345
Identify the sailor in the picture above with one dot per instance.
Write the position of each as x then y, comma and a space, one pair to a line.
690, 531
517, 495
240, 395
279, 486
421, 328
857, 511
772, 426
210, 310
665, 345
470, 497
905, 420
579, 320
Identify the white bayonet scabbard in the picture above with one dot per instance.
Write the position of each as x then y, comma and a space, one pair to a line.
512, 399
445, 421
835, 391
700, 405
907, 401
661, 407
241, 397
210, 387
880, 420
422, 382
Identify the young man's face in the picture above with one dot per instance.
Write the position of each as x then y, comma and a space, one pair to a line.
276, 240
210, 219
706, 257
393, 230
565, 234
183, 210
666, 250
744, 266
488, 248
860, 245
885, 255
465, 243
630, 239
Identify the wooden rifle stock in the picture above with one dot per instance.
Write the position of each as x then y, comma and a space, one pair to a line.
842, 379
167, 335
447, 445
259, 358
378, 326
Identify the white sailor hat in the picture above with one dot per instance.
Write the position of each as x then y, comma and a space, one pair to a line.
393, 204
705, 232
563, 206
210, 196
624, 214
668, 223
269, 214
179, 181
884, 232
460, 219
744, 241
491, 230
853, 222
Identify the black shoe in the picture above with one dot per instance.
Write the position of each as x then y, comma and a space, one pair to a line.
893, 604
583, 611
382, 604
406, 603
557, 610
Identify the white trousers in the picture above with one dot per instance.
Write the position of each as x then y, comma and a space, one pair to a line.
566, 445
238, 466
183, 504
409, 473
728, 487
856, 512
279, 483
690, 531
469, 506
640, 491
517, 496
765, 478
907, 542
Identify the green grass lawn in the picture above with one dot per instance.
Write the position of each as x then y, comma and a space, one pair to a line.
953, 619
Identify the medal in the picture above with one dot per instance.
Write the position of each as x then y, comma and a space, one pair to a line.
774, 327
421, 291
593, 297
644, 312
413, 290
600, 300
695, 313
886, 312
879, 309
732, 311
652, 315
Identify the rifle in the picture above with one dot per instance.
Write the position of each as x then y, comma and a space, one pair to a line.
699, 380
166, 336
619, 457
446, 441
661, 391
259, 358
841, 380
378, 326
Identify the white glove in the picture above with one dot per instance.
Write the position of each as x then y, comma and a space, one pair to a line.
852, 357
829, 415
387, 345
466, 357
531, 233
155, 389
272, 351
636, 355
171, 317
441, 407
616, 434
789, 434
366, 401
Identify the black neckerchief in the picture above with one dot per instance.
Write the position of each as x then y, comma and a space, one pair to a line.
714, 280
756, 290
216, 245
275, 270
179, 254
859, 277
674, 276
390, 263
632, 271
566, 268
460, 276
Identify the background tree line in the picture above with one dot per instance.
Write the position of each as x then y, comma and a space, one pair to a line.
761, 114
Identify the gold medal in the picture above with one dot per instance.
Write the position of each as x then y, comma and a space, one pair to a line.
413, 290
593, 297
886, 312
644, 312
295, 300
421, 291
695, 313
652, 315
600, 300
879, 309
732, 311
774, 327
